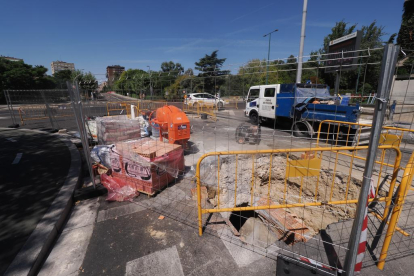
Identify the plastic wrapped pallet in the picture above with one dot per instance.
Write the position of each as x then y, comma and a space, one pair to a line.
100, 154
114, 129
150, 165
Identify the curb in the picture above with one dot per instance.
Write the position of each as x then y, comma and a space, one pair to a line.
36, 249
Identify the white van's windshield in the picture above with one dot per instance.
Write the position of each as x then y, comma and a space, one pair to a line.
253, 94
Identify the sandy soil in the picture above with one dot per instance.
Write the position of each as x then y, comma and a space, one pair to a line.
316, 217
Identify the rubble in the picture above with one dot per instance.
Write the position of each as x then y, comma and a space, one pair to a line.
315, 217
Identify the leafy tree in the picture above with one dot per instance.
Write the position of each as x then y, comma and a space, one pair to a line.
170, 66
371, 38
406, 33
133, 80
86, 81
19, 75
189, 72
406, 36
61, 77
210, 71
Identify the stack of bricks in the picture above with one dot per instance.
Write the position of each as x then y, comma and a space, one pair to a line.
112, 129
148, 164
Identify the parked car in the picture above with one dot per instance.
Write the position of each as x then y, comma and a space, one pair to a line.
194, 98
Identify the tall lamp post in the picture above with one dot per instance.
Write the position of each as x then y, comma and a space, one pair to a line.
74, 80
268, 54
149, 72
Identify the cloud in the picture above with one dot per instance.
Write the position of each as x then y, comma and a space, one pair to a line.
244, 15
186, 46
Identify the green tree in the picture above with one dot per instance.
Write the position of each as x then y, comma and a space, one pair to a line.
170, 66
132, 80
61, 77
406, 36
368, 70
19, 75
87, 81
210, 72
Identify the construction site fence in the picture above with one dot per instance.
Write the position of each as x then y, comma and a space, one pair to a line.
293, 192
200, 108
336, 133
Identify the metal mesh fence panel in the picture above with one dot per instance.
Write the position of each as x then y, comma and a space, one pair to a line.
298, 148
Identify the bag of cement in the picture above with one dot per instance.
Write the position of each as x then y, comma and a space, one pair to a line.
100, 154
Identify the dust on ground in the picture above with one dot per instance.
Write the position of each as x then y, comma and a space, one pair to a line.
315, 217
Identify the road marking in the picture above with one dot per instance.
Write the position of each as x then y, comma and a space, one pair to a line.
17, 159
11, 140
160, 263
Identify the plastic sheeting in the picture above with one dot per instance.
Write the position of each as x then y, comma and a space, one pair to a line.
119, 189
149, 164
302, 94
114, 129
101, 154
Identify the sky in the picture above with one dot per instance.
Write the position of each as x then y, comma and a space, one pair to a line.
136, 34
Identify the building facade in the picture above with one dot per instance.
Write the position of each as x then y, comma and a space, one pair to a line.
61, 65
11, 58
113, 72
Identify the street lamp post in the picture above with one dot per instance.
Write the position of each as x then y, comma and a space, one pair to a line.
268, 55
74, 80
149, 72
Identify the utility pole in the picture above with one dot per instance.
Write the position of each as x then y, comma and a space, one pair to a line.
302, 42
389, 61
268, 55
149, 72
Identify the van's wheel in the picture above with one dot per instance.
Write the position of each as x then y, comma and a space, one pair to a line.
254, 118
220, 105
300, 130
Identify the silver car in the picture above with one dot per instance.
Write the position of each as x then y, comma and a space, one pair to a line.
193, 98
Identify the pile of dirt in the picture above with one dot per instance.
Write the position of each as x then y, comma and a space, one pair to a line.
328, 186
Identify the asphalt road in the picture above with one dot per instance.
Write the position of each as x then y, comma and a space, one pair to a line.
34, 166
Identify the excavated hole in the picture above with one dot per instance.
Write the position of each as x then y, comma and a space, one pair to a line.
238, 219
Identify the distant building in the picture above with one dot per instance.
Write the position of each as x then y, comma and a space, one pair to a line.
112, 72
12, 58
101, 86
61, 65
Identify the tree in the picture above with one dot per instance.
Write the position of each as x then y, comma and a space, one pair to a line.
19, 75
366, 73
210, 71
406, 36
171, 67
61, 77
406, 33
87, 81
133, 80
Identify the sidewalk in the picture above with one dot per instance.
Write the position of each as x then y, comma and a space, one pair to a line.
38, 175
132, 238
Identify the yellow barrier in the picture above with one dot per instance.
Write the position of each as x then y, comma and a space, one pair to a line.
308, 166
334, 127
396, 212
40, 112
201, 107
294, 169
122, 107
139, 105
